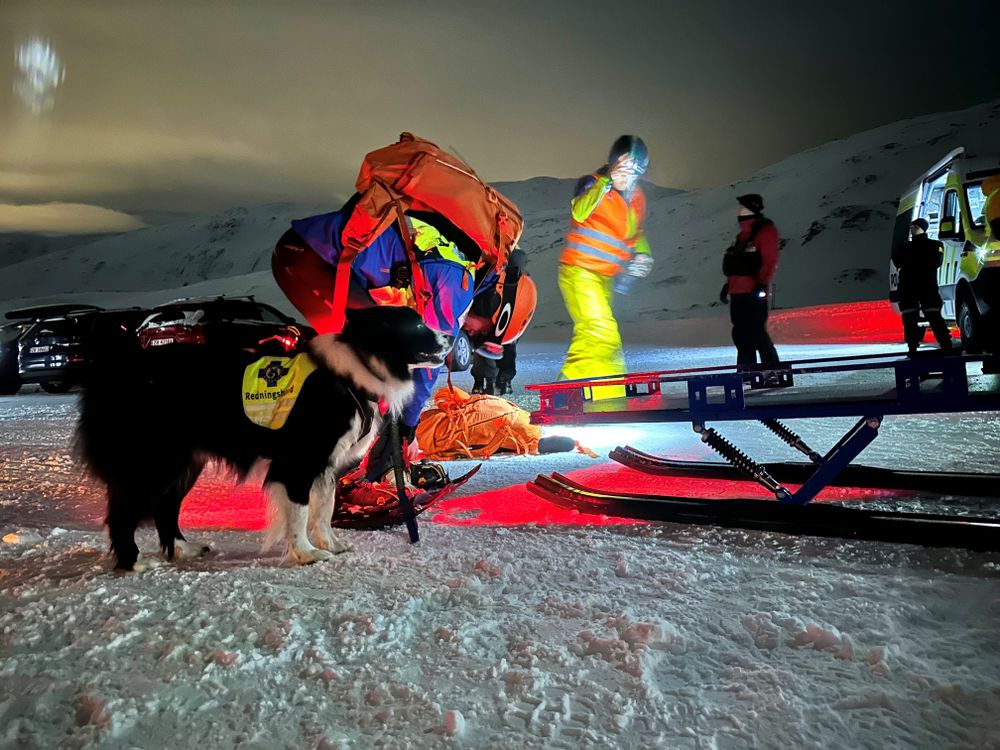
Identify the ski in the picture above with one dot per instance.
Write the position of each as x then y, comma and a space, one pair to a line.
384, 510
821, 520
968, 484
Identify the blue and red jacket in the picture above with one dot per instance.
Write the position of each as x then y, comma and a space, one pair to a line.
450, 284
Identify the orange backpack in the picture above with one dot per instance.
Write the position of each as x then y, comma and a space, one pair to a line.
415, 175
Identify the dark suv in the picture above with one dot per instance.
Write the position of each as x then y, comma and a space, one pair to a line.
54, 351
240, 322
10, 334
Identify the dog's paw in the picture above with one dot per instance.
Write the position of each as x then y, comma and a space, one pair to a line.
143, 563
338, 547
309, 555
189, 550
324, 539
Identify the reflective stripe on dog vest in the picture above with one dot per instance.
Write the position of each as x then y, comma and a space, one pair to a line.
270, 387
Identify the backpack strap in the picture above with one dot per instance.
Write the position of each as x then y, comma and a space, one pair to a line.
341, 287
420, 291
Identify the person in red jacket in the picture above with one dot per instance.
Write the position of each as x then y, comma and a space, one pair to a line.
749, 265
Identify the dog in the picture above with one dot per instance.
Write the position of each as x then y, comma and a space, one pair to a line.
151, 419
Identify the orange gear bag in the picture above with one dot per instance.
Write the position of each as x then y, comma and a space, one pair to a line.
466, 426
415, 174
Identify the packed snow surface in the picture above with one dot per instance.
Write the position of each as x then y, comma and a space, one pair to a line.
496, 636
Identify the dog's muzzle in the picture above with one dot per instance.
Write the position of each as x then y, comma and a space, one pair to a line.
436, 359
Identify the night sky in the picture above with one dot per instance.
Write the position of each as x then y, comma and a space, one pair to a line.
190, 106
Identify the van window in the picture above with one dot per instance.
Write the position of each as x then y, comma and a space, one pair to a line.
974, 194
930, 207
951, 209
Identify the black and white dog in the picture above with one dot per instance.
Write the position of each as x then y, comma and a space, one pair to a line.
151, 420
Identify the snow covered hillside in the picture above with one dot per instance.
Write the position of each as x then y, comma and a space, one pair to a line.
833, 204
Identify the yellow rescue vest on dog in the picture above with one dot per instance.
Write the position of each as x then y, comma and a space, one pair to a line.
270, 387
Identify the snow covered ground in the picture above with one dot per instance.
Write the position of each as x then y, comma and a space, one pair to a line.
495, 634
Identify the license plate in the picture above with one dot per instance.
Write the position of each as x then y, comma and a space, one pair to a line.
160, 342
38, 349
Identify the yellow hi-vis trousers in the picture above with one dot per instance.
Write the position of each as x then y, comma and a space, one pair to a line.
596, 349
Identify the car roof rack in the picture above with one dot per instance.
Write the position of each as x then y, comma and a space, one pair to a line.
49, 311
198, 300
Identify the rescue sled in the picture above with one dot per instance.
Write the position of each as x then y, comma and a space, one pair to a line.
867, 387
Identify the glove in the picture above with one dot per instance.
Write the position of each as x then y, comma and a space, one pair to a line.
760, 291
490, 350
640, 265
724, 294
626, 166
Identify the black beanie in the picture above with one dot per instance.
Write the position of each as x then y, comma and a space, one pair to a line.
751, 202
922, 223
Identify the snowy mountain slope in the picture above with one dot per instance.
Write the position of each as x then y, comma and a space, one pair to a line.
17, 247
833, 204
231, 243
224, 252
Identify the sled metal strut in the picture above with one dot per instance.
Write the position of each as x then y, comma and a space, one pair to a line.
827, 467
791, 438
740, 460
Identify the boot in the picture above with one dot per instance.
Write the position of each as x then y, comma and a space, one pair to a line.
427, 475
503, 386
483, 387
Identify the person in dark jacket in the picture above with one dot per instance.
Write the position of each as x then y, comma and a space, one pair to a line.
493, 377
749, 265
918, 262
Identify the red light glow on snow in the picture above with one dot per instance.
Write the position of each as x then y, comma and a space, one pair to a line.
215, 504
516, 506
846, 323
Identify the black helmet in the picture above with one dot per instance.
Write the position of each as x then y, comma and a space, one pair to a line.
631, 145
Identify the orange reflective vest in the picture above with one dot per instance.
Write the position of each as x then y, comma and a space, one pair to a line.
604, 242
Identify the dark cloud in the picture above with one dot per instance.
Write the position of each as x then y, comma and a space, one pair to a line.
179, 105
